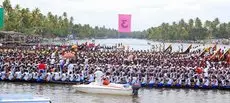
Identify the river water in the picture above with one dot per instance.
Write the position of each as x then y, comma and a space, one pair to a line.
143, 44
59, 93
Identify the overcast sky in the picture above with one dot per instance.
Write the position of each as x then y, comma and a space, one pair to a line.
145, 13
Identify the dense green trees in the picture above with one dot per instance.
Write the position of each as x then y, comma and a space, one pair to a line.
191, 30
34, 22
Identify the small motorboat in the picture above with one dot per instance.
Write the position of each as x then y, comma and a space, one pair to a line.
112, 88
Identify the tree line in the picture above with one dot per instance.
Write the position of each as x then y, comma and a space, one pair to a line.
194, 29
34, 22
50, 25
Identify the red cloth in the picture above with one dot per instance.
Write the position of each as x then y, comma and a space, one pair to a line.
199, 70
228, 59
41, 66
106, 82
91, 45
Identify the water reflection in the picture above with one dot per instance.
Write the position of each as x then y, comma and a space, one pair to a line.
67, 94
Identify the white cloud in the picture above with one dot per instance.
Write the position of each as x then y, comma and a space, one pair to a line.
145, 13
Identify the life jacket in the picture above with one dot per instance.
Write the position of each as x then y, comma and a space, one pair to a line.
106, 82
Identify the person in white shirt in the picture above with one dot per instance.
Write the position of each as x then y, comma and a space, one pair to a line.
78, 79
152, 80
64, 77
197, 82
49, 77
30, 75
61, 64
26, 76
98, 76
18, 75
70, 68
57, 76
52, 61
169, 83
134, 80
206, 82
91, 78
214, 83
3, 75
188, 82
35, 75
34, 47
206, 71
86, 61
11, 76
52, 55
71, 77
67, 62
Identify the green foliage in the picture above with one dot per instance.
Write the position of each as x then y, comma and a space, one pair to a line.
34, 22
193, 30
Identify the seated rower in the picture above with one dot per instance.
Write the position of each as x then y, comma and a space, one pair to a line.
188, 83
3, 75
197, 82
78, 79
11, 76
35, 76
18, 75
30, 75
214, 83
48, 77
206, 83
170, 82
179, 82
40, 78
57, 76
151, 82
26, 76
71, 77
223, 82
161, 82
143, 81
91, 78
134, 80
64, 77
82, 78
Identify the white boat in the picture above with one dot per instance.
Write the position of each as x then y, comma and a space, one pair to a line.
113, 89
22, 98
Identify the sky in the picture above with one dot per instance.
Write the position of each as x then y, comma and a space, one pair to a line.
145, 13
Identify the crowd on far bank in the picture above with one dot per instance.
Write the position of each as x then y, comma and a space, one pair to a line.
50, 64
212, 41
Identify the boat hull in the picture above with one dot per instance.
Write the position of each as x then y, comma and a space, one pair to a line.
103, 89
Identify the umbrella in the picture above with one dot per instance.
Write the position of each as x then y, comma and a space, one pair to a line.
68, 55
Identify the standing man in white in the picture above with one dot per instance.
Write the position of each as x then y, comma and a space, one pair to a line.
70, 68
98, 76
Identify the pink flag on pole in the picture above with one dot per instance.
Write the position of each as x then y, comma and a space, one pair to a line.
124, 24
